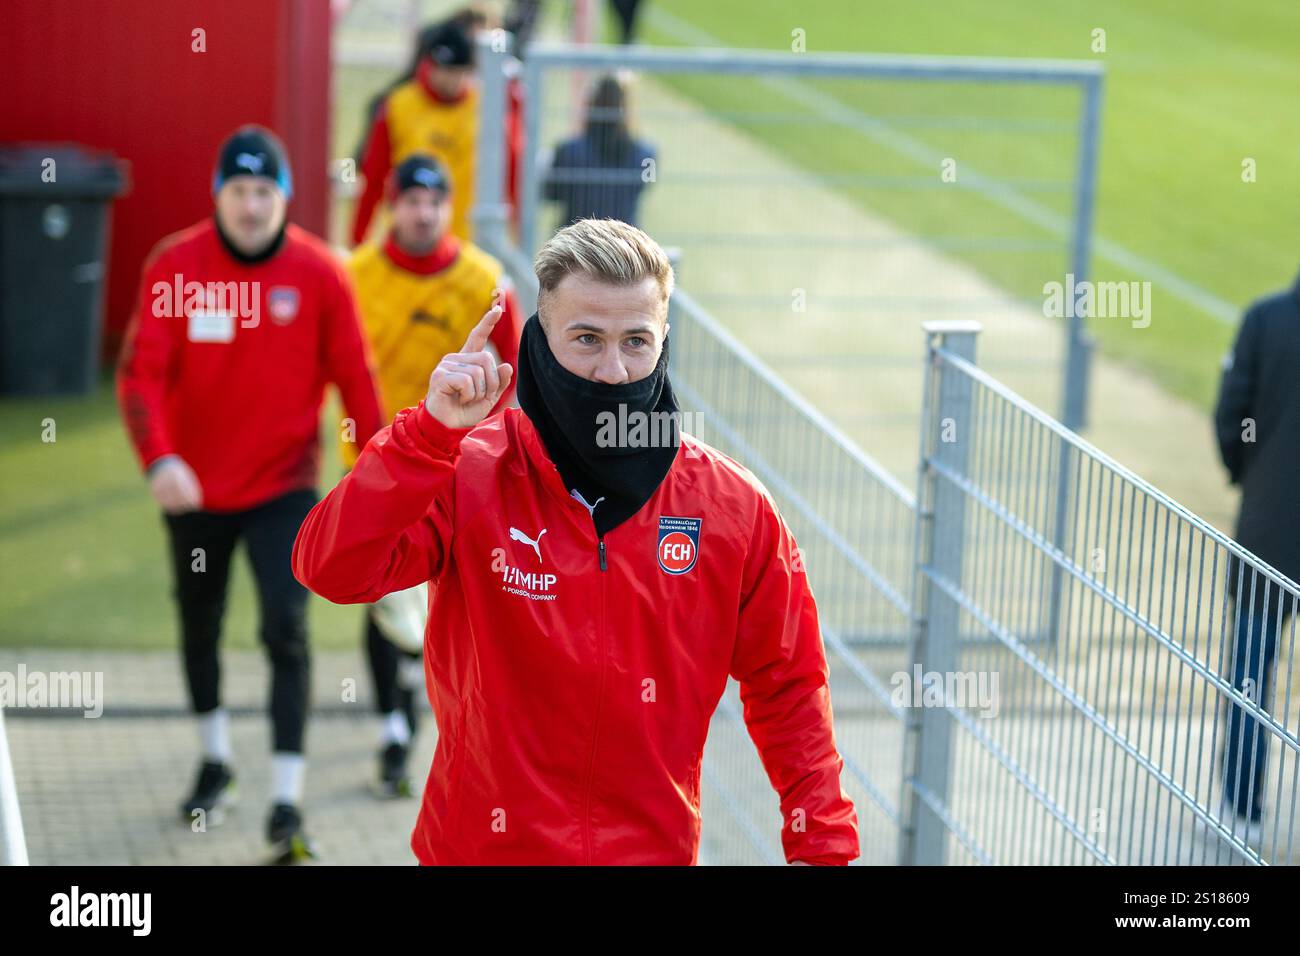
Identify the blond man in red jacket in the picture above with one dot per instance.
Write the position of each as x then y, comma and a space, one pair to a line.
597, 576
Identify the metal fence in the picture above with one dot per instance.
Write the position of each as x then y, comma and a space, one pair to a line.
1115, 740
809, 193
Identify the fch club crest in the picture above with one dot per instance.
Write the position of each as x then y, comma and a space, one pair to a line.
283, 304
679, 543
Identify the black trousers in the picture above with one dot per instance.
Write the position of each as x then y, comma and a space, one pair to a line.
385, 657
202, 544
1245, 745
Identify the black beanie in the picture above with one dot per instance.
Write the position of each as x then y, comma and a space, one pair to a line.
449, 45
253, 151
420, 170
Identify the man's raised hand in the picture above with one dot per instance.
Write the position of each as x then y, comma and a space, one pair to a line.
467, 384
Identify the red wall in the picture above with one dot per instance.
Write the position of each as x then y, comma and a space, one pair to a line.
120, 75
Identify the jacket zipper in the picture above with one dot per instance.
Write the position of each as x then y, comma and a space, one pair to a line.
600, 699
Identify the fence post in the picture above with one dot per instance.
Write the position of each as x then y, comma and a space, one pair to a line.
1062, 538
491, 212
946, 428
1079, 343
529, 175
13, 847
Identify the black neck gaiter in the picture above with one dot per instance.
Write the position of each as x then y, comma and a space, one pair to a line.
271, 249
590, 428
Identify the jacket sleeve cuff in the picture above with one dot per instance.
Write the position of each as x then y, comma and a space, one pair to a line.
158, 461
438, 436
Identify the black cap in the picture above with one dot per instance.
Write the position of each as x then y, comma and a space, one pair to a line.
449, 45
420, 170
253, 151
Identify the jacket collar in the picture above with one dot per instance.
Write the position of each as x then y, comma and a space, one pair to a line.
538, 459
440, 257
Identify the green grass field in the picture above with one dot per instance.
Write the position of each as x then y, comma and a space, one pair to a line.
1192, 88
82, 545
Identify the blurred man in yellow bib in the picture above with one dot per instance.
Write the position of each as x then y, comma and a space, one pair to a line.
420, 290
434, 112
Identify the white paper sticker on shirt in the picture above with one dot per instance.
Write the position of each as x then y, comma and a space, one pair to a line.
211, 326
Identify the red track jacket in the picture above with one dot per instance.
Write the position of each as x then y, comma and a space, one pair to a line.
225, 363
573, 679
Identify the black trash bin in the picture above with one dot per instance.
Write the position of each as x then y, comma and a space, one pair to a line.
54, 213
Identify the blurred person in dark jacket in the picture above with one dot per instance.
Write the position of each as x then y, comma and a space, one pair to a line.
1257, 423
601, 173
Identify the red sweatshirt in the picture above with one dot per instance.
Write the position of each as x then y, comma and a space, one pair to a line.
573, 679
225, 363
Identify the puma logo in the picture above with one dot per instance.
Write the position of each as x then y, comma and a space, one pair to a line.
591, 508
250, 161
517, 535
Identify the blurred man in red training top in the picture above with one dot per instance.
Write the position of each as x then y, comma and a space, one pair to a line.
421, 292
241, 322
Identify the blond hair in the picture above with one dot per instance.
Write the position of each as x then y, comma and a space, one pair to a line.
605, 250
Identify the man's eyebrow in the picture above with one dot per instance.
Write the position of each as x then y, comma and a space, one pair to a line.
585, 327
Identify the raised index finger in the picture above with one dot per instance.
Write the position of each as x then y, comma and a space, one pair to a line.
478, 336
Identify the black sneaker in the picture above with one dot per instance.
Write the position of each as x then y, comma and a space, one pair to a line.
393, 781
289, 844
214, 794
